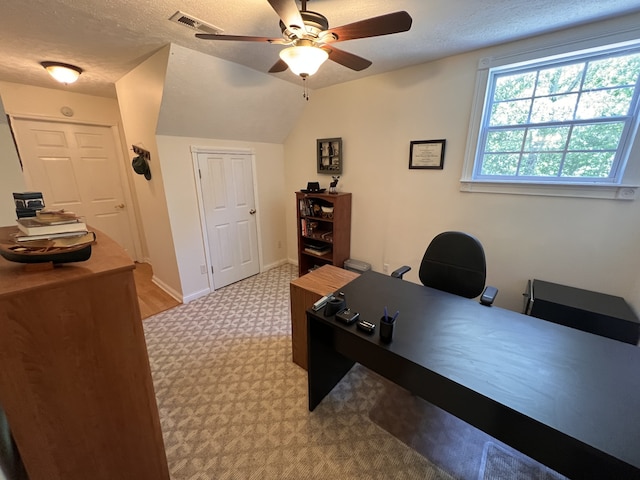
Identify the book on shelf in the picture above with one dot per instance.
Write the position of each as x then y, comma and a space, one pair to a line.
31, 226
317, 249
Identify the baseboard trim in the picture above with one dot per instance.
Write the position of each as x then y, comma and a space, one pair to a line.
194, 296
279, 263
167, 289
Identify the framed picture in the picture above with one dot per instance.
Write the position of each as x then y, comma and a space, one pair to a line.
427, 154
329, 155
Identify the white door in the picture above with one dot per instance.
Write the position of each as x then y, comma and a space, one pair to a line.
76, 167
226, 181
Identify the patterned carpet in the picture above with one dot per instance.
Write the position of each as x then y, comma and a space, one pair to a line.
234, 406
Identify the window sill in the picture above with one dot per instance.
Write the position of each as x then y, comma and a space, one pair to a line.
609, 192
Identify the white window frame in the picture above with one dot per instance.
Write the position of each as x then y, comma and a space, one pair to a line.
620, 189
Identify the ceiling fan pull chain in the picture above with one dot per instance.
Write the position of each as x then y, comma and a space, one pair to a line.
305, 89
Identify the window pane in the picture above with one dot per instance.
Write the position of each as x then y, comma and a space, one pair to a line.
514, 86
561, 119
510, 113
605, 103
612, 72
505, 140
554, 109
560, 80
600, 136
588, 164
547, 138
505, 164
540, 164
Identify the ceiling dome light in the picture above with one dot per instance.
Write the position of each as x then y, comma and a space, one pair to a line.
304, 60
62, 72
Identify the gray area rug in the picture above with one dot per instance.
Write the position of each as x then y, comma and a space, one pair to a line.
455, 446
233, 405
500, 463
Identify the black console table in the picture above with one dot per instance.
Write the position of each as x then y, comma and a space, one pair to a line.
592, 312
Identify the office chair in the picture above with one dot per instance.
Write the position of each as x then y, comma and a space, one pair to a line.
454, 262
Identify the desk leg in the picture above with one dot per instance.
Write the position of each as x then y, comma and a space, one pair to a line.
326, 366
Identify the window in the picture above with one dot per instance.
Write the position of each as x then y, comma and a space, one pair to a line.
569, 119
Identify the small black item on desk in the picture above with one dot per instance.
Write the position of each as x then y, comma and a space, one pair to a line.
386, 329
488, 296
321, 303
334, 305
366, 326
347, 316
386, 326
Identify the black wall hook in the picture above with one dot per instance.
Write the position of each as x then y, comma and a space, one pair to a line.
141, 151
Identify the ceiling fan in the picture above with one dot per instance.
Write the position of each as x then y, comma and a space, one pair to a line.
310, 39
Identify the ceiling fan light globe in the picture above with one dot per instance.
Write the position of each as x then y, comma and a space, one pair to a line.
304, 60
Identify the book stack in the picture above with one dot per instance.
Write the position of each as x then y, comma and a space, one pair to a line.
49, 225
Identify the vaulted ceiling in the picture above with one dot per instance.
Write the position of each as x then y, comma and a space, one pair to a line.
110, 37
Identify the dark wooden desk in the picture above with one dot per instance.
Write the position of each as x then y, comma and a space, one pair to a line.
564, 397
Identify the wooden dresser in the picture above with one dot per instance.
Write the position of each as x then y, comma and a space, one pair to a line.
305, 291
75, 382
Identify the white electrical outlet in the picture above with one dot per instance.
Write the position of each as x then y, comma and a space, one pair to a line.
203, 269
385, 268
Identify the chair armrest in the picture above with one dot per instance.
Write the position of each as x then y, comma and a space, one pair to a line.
400, 271
488, 295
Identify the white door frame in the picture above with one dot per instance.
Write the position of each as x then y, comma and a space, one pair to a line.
195, 150
124, 173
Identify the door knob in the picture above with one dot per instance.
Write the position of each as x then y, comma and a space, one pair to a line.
120, 206
252, 211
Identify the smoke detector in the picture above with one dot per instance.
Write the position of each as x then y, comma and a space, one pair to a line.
195, 23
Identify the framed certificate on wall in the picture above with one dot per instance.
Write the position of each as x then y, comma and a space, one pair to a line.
428, 154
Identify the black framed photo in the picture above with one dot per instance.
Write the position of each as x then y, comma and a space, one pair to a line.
329, 155
427, 154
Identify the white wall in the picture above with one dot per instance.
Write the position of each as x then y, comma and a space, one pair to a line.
11, 178
180, 189
205, 99
587, 243
208, 97
139, 97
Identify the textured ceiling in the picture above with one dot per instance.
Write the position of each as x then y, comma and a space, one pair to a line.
108, 38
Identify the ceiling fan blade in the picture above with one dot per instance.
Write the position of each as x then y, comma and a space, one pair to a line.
347, 59
288, 12
240, 38
279, 66
372, 27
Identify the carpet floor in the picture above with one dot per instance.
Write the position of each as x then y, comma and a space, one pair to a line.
234, 406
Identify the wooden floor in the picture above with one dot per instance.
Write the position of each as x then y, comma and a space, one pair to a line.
152, 299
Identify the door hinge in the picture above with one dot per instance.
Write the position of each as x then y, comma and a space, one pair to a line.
212, 269
200, 174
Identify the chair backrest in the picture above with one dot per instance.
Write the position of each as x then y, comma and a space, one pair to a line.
454, 262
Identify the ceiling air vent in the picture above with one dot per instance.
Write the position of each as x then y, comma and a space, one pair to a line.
194, 23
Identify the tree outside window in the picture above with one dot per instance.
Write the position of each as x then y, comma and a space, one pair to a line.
566, 120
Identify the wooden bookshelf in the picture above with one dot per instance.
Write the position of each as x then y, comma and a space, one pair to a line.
324, 230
